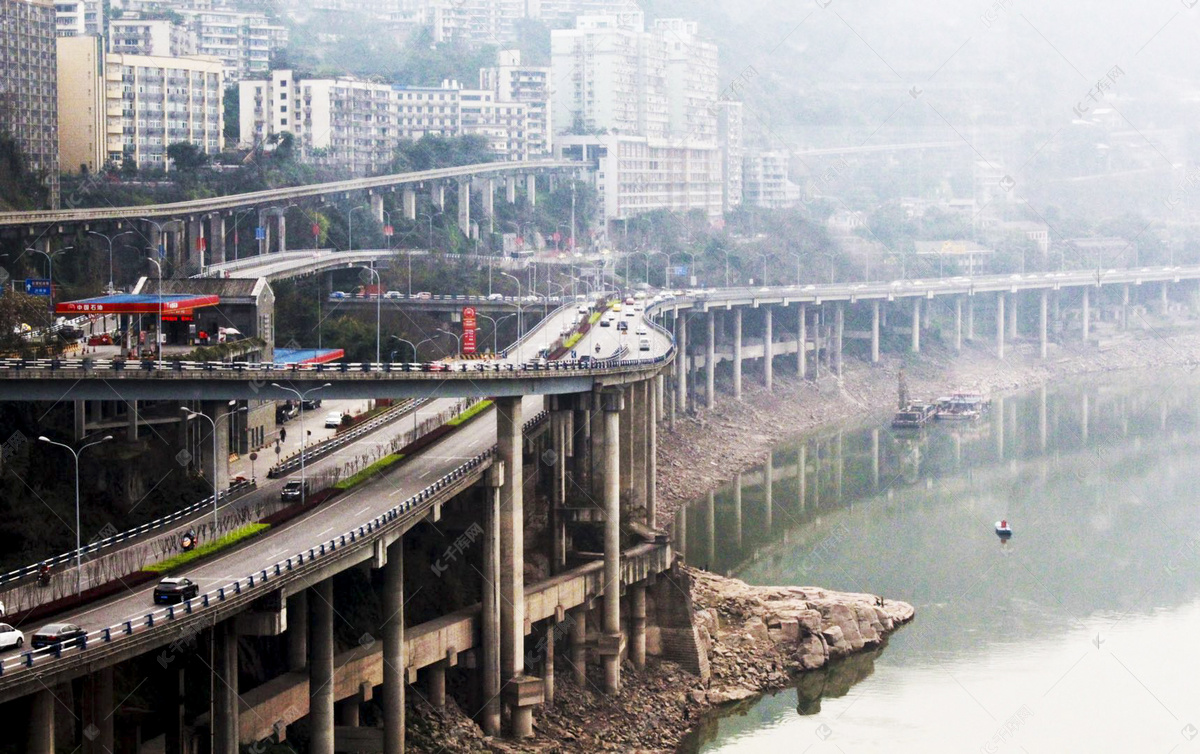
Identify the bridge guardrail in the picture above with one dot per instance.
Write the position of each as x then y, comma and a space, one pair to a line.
254, 582
235, 491
318, 450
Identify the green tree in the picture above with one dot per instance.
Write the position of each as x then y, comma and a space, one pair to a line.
232, 104
187, 157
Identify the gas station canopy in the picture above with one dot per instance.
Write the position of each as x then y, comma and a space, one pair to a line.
131, 303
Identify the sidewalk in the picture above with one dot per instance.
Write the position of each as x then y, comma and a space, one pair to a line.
314, 421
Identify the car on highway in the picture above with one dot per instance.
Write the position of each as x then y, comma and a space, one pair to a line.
393, 294
58, 635
607, 321
333, 420
423, 296
644, 344
495, 297
338, 294
292, 491
616, 307
623, 326
641, 330
10, 637
172, 590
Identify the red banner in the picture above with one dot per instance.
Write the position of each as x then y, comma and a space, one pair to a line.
468, 341
468, 318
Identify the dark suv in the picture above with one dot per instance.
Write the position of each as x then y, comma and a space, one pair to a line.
292, 490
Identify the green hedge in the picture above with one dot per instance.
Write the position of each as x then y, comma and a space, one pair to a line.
229, 540
470, 413
572, 341
373, 470
595, 317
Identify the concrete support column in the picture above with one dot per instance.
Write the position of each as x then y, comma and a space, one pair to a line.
216, 238
875, 332
464, 207
41, 723
559, 420
376, 201
802, 341
489, 198
531, 189
1086, 315
581, 458
1042, 342
509, 441
970, 319
131, 420
817, 346
637, 625
1163, 301
958, 330
297, 631
626, 445
710, 362
839, 328
490, 609
1000, 325
348, 715
510, 190
551, 633
320, 668
1125, 307
1011, 334
437, 684
226, 703
916, 326
681, 362
577, 644
737, 353
408, 199
194, 257
641, 425
281, 244
98, 712
768, 354
611, 637
653, 410
438, 197
393, 647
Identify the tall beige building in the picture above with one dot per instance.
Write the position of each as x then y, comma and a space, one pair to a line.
28, 84
81, 101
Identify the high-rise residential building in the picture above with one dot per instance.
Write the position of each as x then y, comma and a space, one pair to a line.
691, 86
484, 22
637, 174
358, 125
729, 141
765, 180
609, 73
81, 102
75, 18
242, 41
133, 35
29, 84
152, 102
531, 85
561, 14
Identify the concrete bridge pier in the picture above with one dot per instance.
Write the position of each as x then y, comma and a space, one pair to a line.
681, 363
611, 640
802, 341
970, 318
393, 650
1042, 316
651, 454
377, 207
875, 458
916, 326
1000, 325
1011, 333
41, 723
320, 667
710, 361
408, 202
839, 328
1086, 315
464, 207
175, 694
531, 189
639, 447
1125, 307
768, 354
510, 190
577, 645
875, 332
560, 417
216, 238
489, 619
264, 246
958, 323
489, 200
581, 441
194, 256
438, 196
737, 353
215, 410
817, 345
625, 443
297, 631
225, 706
637, 625
98, 712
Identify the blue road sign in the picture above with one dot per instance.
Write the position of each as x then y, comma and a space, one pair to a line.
260, 233
37, 286
680, 270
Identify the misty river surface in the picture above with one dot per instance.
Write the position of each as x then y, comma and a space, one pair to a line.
1080, 634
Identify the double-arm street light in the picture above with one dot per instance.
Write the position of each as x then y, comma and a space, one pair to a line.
457, 339
159, 335
495, 327
350, 226
410, 345
520, 303
110, 240
301, 397
78, 544
49, 255
213, 423
430, 216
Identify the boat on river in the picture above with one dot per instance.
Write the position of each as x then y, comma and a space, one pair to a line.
915, 416
963, 406
1003, 530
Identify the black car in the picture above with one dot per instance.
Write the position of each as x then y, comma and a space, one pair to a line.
170, 591
623, 326
58, 634
291, 491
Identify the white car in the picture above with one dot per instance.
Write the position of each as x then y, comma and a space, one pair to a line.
393, 294
495, 297
10, 637
641, 330
333, 420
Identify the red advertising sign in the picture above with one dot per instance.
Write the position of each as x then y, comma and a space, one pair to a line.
468, 341
468, 318
316, 230
387, 230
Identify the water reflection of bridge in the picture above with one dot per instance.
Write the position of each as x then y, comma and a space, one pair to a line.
1027, 439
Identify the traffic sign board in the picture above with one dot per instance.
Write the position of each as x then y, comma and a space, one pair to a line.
388, 230
260, 233
468, 341
37, 286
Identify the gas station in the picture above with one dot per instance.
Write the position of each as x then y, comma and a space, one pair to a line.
138, 315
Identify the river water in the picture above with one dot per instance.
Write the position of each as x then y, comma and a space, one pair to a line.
1078, 635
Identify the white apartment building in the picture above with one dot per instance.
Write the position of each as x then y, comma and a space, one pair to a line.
636, 174
150, 36
765, 180
562, 13
730, 135
530, 85
475, 21
74, 18
609, 73
691, 86
505, 125
152, 102
242, 41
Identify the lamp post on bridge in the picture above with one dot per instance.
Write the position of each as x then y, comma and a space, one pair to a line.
410, 345
456, 337
350, 226
159, 334
49, 255
495, 327
78, 544
520, 304
110, 240
300, 397
213, 422
378, 300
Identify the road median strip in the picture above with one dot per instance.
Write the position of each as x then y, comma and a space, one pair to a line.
231, 539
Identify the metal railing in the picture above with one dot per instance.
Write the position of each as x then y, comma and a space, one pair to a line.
318, 450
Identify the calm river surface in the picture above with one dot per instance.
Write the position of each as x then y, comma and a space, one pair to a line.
1079, 635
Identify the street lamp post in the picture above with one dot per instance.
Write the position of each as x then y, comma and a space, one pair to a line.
110, 240
78, 544
387, 237
350, 224
520, 303
303, 437
158, 336
49, 255
495, 327
213, 422
457, 338
410, 345
378, 299
430, 216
